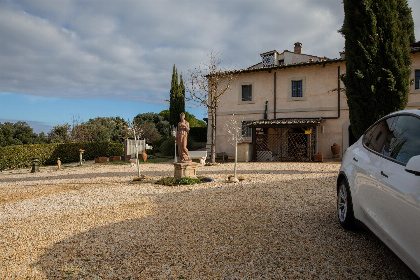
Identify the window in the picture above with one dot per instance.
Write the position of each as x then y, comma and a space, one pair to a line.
268, 60
246, 92
297, 89
281, 61
246, 130
397, 137
417, 79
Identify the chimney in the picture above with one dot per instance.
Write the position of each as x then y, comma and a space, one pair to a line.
298, 48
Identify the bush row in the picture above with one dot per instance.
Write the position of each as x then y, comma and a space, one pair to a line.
199, 134
22, 155
167, 147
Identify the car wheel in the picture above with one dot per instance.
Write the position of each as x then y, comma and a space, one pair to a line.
345, 206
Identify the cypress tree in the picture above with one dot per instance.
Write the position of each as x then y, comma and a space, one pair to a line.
173, 113
181, 95
378, 35
177, 98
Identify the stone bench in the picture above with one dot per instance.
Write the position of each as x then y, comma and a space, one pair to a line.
201, 155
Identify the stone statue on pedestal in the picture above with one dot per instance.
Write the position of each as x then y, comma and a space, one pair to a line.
181, 139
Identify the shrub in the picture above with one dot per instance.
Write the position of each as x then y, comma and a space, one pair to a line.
171, 181
167, 147
157, 143
22, 155
199, 134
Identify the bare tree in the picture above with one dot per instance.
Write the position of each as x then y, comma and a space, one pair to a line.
234, 128
137, 132
206, 86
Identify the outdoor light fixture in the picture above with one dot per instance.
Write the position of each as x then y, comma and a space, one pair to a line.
174, 131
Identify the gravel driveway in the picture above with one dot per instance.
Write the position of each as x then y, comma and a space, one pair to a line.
95, 223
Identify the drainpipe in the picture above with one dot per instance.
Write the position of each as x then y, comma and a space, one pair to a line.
338, 95
338, 99
266, 111
275, 95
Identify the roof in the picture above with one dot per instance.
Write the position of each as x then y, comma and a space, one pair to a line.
286, 122
285, 66
273, 51
414, 48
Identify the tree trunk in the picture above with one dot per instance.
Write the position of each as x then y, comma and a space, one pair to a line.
213, 136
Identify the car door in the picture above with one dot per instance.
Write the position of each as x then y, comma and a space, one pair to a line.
397, 195
367, 160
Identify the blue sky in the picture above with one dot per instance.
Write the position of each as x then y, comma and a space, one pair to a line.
41, 113
72, 59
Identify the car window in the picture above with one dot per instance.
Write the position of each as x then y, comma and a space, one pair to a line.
396, 137
405, 139
379, 135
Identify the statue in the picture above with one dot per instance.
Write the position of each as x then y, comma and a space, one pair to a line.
181, 139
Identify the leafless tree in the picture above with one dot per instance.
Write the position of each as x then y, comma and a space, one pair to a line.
206, 86
233, 127
137, 131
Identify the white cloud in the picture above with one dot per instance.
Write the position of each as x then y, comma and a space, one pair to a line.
126, 49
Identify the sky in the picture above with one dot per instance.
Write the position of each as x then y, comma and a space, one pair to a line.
66, 61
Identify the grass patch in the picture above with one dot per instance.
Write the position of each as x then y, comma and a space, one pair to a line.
171, 181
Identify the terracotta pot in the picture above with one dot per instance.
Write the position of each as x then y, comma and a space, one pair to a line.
115, 158
144, 156
319, 157
101, 159
335, 149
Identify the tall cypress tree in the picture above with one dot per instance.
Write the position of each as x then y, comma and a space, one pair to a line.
176, 99
378, 35
173, 118
181, 95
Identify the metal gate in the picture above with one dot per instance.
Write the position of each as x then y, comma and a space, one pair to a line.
284, 144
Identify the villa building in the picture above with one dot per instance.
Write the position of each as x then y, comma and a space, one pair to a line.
291, 106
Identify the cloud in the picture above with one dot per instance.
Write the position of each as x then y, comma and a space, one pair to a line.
126, 49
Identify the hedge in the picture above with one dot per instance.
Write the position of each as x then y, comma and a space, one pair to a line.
22, 155
167, 147
199, 134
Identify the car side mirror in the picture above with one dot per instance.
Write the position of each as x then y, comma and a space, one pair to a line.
413, 165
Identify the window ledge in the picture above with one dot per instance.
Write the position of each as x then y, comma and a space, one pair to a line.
297, 98
246, 102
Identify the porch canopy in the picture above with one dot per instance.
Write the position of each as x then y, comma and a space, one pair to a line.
286, 122
287, 139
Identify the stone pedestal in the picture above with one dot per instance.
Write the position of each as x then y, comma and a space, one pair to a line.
185, 169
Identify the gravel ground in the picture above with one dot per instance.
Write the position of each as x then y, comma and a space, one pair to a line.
96, 223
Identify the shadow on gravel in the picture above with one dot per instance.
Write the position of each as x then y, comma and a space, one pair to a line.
55, 175
264, 171
52, 175
232, 232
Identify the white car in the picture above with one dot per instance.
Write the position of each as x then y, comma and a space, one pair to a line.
379, 184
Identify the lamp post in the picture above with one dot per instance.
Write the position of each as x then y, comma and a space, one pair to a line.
174, 135
137, 154
81, 151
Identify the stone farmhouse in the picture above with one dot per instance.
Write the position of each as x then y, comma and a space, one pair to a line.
291, 106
